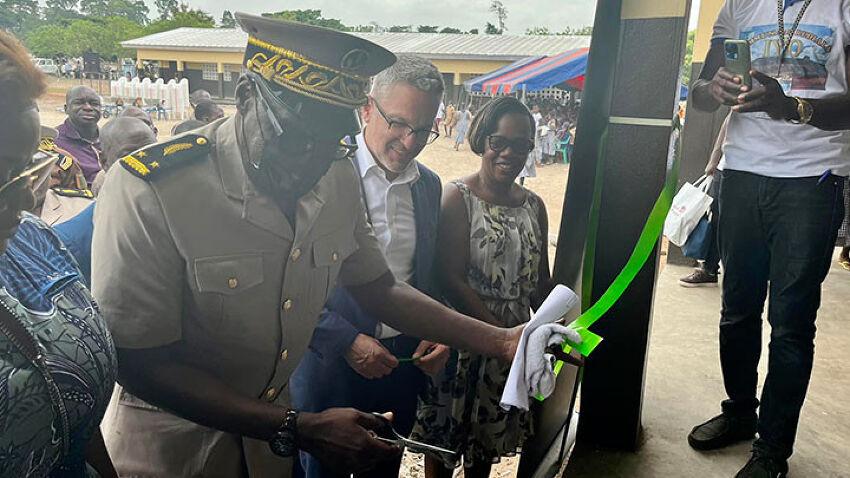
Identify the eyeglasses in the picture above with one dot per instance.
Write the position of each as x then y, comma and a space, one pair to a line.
519, 146
41, 161
402, 129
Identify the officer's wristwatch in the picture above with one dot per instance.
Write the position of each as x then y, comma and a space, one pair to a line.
805, 111
283, 442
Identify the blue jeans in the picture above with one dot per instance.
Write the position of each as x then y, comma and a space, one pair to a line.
775, 234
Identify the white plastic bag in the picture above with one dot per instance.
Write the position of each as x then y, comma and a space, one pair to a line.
690, 204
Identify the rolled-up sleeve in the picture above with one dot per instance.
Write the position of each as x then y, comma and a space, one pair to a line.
137, 271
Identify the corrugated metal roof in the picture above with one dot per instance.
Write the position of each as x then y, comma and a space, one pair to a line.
429, 45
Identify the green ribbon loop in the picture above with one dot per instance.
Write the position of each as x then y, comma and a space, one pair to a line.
646, 242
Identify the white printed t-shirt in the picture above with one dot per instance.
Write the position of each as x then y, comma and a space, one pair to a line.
816, 63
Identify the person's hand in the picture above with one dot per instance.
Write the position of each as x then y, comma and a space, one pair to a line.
431, 357
725, 87
768, 98
369, 358
342, 439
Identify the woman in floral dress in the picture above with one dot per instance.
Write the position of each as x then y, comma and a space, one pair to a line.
493, 265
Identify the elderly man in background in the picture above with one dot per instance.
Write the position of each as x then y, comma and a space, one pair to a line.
353, 359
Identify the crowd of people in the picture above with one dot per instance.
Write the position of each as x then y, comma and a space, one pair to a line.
213, 259
266, 294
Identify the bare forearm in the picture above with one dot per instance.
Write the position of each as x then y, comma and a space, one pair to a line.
196, 395
702, 98
412, 312
466, 301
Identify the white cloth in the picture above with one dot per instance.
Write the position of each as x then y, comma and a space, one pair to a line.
441, 111
816, 66
537, 333
390, 205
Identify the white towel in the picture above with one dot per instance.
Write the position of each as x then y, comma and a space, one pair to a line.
529, 374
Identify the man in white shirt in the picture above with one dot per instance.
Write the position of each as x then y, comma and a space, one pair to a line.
786, 154
354, 360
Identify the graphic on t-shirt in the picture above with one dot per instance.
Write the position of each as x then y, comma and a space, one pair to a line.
805, 60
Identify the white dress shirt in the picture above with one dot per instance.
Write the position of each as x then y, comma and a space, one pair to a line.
390, 206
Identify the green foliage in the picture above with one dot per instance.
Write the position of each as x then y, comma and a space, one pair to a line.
182, 17
689, 58
227, 20
474, 31
400, 29
580, 31
497, 7
427, 28
309, 17
538, 31
491, 29
165, 8
17, 15
450, 30
101, 36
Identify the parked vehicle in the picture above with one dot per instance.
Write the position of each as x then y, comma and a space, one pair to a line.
46, 65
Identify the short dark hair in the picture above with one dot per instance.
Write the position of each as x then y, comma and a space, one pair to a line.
205, 109
187, 125
20, 81
486, 122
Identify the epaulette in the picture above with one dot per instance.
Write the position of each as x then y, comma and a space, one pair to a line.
147, 163
73, 193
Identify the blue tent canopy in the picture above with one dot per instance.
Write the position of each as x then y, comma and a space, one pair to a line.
475, 84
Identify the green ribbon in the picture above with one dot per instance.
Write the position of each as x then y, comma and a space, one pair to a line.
646, 242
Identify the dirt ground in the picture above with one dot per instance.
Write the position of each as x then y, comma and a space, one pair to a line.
440, 156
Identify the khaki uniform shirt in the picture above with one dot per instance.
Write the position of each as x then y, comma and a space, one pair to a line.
198, 255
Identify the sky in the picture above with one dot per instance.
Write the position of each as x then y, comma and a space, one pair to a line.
463, 14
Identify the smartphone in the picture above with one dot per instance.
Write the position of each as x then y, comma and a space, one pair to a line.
737, 54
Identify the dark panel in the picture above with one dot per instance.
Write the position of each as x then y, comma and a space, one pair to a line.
647, 68
196, 82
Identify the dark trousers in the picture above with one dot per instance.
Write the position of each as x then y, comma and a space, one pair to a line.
322, 387
775, 234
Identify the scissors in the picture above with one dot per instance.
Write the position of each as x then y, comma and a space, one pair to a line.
387, 434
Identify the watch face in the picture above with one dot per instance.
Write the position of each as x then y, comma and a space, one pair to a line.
283, 444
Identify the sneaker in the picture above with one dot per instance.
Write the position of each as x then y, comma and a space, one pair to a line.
721, 431
699, 278
761, 466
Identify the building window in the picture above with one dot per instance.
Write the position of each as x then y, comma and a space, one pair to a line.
209, 71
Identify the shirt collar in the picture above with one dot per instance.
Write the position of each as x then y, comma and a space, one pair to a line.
68, 130
366, 162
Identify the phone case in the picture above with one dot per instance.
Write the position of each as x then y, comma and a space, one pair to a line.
737, 53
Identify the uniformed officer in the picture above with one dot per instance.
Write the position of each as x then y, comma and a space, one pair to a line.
214, 253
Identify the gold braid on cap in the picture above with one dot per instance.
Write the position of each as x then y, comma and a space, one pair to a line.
296, 72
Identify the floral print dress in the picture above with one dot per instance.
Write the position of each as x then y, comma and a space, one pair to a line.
461, 412
40, 285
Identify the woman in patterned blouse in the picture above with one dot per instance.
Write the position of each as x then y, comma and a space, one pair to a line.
57, 360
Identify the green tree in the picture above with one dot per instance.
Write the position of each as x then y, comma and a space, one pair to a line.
473, 31
18, 16
689, 59
450, 30
192, 18
497, 7
94, 8
538, 31
427, 29
309, 17
400, 29
580, 31
133, 10
165, 8
61, 11
227, 20
98, 35
491, 29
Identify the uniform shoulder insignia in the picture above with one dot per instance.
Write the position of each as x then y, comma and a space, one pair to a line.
151, 161
74, 193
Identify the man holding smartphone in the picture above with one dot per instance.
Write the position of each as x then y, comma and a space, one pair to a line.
781, 204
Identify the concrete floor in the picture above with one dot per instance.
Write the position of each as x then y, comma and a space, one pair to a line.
684, 388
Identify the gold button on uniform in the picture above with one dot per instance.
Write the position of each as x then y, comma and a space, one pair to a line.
287, 305
284, 355
270, 393
295, 254
334, 257
233, 282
